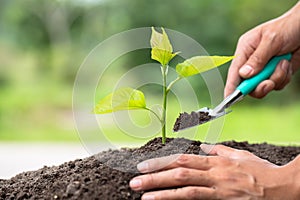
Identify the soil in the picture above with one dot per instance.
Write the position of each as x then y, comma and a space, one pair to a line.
102, 176
186, 120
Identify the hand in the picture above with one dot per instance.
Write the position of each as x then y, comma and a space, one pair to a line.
256, 47
229, 174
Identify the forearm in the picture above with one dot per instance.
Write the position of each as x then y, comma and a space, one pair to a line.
293, 20
294, 13
296, 8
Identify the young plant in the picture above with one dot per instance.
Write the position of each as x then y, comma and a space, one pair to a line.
162, 51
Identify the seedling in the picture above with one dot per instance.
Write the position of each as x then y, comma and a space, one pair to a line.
162, 51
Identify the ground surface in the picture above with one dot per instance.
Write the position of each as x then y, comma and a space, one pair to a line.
17, 157
107, 174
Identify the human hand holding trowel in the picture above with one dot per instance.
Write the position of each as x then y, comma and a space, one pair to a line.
206, 114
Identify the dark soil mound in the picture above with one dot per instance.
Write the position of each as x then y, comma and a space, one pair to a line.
102, 176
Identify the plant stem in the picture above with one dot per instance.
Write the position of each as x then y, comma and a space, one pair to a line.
166, 89
164, 70
173, 82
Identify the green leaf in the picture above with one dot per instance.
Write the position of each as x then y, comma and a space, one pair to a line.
162, 50
121, 99
199, 64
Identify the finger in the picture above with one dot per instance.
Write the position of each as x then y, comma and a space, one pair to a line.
233, 77
156, 164
277, 81
225, 151
263, 89
218, 149
246, 46
281, 74
294, 66
240, 57
264, 52
288, 78
179, 160
172, 178
184, 193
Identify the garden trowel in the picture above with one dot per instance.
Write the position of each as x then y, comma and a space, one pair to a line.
186, 120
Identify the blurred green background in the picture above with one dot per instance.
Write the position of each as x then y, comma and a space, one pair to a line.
43, 43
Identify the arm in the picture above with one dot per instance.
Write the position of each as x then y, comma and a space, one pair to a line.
256, 47
227, 174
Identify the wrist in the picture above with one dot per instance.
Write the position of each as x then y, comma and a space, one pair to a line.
296, 10
292, 170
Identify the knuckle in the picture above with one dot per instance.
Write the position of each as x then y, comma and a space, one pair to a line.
280, 84
278, 79
273, 38
222, 161
228, 178
244, 152
270, 35
257, 94
193, 193
281, 80
206, 161
279, 75
257, 60
183, 159
236, 164
244, 38
150, 179
182, 175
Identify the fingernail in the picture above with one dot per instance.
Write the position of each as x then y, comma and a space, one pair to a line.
135, 183
143, 167
148, 197
206, 147
285, 65
246, 70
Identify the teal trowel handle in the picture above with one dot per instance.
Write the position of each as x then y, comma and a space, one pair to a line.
250, 84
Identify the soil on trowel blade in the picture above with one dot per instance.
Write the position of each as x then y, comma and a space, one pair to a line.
186, 120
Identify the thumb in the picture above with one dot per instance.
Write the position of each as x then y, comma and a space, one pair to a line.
260, 57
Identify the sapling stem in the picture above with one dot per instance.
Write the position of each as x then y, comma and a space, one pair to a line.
166, 89
164, 70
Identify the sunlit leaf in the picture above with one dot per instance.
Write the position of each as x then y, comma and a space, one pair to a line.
162, 50
199, 64
121, 99
162, 56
